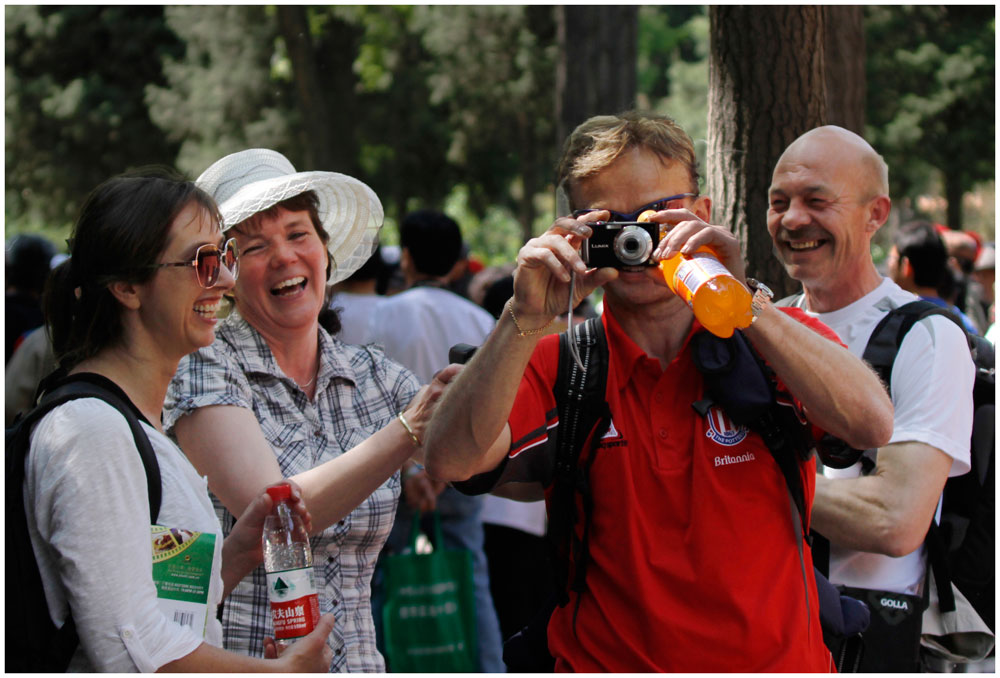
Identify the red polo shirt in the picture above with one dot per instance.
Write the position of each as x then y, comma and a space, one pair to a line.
694, 563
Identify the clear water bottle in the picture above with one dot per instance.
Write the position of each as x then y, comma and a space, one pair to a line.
291, 582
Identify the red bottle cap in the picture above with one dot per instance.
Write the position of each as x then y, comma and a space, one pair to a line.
280, 492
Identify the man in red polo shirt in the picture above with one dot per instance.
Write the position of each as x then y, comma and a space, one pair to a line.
694, 563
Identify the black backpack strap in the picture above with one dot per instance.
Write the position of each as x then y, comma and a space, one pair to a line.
87, 387
737, 380
880, 353
583, 411
887, 337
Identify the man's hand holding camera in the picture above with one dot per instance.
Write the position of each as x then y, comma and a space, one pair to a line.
544, 267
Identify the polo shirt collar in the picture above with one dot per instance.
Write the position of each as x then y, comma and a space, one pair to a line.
625, 354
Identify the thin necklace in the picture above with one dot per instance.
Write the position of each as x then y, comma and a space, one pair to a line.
307, 384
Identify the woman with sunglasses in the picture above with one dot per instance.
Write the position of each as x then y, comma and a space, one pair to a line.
277, 396
148, 269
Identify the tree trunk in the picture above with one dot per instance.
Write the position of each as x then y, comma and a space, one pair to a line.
529, 177
596, 70
844, 54
324, 89
953, 193
294, 27
766, 87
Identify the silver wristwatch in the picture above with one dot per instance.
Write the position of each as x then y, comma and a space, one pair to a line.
762, 295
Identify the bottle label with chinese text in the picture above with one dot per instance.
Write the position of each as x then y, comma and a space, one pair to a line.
294, 603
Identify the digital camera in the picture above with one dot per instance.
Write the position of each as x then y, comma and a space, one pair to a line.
621, 244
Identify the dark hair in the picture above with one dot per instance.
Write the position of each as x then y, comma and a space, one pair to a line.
433, 239
28, 259
119, 235
497, 294
920, 243
371, 269
307, 201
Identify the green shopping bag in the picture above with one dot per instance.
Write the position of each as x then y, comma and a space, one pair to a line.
429, 615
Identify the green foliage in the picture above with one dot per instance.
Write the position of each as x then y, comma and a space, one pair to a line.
673, 67
75, 113
404, 137
495, 236
228, 90
931, 93
668, 34
492, 71
452, 105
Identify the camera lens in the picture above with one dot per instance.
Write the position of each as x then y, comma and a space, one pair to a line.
633, 246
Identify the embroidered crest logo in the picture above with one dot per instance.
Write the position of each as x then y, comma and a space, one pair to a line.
612, 432
722, 429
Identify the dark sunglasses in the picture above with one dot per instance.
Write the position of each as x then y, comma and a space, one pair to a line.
209, 260
673, 202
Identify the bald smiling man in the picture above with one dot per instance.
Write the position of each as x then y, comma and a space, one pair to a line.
828, 197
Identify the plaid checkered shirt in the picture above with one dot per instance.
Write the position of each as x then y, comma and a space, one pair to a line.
358, 392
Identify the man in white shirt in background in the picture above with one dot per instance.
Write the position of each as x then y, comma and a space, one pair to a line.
356, 299
417, 327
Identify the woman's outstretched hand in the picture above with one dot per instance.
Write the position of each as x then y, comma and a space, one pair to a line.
309, 654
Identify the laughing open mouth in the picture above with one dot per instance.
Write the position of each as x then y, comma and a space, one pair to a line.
290, 286
208, 310
804, 245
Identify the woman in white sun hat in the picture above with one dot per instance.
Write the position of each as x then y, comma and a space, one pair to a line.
277, 396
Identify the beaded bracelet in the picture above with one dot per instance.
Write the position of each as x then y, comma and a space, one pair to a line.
523, 333
409, 429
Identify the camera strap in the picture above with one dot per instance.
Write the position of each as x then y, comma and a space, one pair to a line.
574, 350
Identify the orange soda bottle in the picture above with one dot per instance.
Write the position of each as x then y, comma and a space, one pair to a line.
720, 302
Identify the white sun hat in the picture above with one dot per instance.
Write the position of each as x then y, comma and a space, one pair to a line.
253, 180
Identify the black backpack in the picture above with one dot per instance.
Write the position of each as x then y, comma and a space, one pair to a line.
961, 549
33, 643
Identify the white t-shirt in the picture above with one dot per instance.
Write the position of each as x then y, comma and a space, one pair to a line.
87, 505
356, 312
526, 516
418, 327
931, 390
